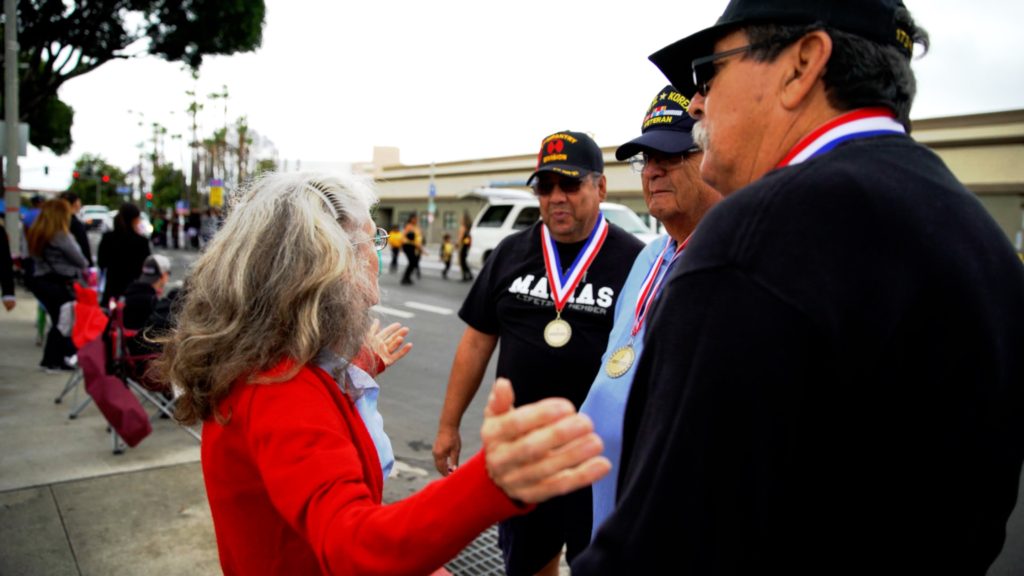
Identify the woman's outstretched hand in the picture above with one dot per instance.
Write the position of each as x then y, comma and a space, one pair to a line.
389, 342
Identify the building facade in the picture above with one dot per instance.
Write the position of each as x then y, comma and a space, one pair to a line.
985, 151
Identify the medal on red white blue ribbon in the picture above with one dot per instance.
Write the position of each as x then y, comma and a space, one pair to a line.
624, 356
558, 332
860, 123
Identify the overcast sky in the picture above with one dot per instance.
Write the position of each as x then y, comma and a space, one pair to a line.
456, 80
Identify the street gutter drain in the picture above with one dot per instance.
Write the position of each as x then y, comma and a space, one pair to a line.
481, 558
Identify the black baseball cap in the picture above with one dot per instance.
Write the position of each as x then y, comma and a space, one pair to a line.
874, 20
568, 153
666, 128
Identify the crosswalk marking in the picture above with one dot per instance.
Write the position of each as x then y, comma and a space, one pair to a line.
392, 311
415, 306
430, 308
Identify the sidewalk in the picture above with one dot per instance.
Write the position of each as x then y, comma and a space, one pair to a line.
68, 505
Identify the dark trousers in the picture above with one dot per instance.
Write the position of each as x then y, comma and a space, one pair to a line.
414, 262
394, 259
467, 274
53, 292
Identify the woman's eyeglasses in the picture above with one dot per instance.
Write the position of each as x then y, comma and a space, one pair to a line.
380, 239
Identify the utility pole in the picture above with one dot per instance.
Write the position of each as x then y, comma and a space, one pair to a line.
193, 109
431, 205
12, 195
141, 145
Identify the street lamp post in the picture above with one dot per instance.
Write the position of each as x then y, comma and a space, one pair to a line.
12, 196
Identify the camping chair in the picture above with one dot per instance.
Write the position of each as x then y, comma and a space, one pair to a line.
128, 422
132, 367
72, 386
88, 323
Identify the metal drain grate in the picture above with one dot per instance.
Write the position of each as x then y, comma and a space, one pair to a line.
481, 558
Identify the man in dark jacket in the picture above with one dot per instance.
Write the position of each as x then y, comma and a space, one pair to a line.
148, 315
833, 378
140, 298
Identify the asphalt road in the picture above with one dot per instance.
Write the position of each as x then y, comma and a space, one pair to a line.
412, 391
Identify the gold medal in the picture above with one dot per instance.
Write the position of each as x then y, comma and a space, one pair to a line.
557, 333
620, 361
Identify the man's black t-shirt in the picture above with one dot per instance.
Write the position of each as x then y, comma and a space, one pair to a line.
511, 299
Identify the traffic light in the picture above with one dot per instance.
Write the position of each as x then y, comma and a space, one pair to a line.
149, 200
105, 178
149, 195
76, 175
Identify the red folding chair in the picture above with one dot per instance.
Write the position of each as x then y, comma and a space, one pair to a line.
133, 368
90, 320
121, 408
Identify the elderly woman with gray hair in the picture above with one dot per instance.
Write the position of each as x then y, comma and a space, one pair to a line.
292, 463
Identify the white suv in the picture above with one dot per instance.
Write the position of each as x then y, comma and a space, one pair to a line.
513, 212
97, 217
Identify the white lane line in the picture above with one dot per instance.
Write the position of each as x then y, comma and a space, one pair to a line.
403, 469
429, 308
392, 312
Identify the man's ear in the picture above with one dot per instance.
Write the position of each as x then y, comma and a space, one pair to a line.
805, 63
602, 187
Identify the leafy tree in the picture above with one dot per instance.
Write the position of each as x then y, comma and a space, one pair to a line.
50, 125
266, 165
62, 39
168, 186
91, 169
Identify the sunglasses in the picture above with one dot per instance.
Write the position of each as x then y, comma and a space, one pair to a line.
704, 68
564, 183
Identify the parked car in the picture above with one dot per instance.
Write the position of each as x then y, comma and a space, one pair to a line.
515, 210
97, 217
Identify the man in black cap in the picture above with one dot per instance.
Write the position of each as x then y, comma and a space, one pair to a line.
833, 377
669, 166
141, 296
549, 294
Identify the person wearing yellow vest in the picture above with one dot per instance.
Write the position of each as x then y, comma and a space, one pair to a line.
395, 243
